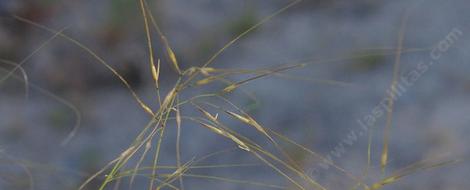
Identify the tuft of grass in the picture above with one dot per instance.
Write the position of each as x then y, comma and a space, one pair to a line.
148, 143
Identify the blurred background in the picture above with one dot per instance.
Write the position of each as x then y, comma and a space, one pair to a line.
350, 49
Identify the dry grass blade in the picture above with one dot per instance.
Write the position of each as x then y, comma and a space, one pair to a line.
206, 80
226, 134
23, 74
295, 167
304, 176
254, 147
279, 171
169, 51
156, 74
264, 20
316, 81
156, 78
194, 166
369, 161
419, 166
23, 167
94, 55
171, 55
178, 140
207, 70
140, 141
315, 154
137, 144
396, 73
118, 177
20, 64
176, 174
227, 45
70, 105
209, 79
148, 145
205, 113
169, 101
234, 86
169, 98
120, 161
305, 62
234, 181
94, 176
250, 121
155, 70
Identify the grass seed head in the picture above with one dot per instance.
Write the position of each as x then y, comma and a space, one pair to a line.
230, 88
207, 70
156, 73
169, 97
171, 55
207, 114
206, 80
249, 121
226, 134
